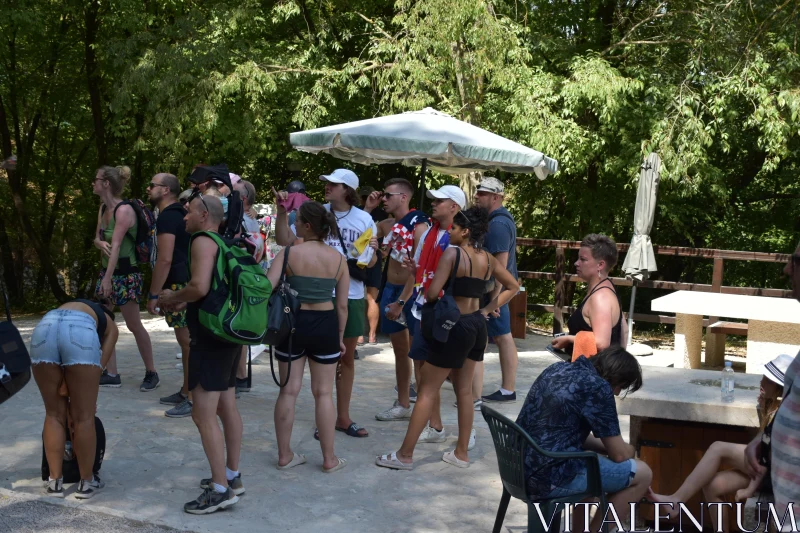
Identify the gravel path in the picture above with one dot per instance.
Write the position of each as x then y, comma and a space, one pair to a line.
22, 514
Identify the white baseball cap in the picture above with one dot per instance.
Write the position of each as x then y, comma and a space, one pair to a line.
342, 175
450, 192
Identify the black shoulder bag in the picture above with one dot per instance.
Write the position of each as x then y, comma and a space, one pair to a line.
428, 311
15, 363
356, 272
281, 318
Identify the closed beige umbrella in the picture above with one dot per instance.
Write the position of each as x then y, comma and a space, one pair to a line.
640, 261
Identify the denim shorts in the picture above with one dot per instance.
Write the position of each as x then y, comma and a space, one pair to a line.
391, 293
613, 476
498, 326
66, 337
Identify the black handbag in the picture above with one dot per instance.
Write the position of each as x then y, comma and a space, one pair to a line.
281, 317
356, 272
15, 363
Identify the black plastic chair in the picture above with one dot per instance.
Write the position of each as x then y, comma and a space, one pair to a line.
510, 444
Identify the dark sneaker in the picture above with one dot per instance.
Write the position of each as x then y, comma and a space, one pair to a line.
113, 382
412, 393
87, 489
210, 501
355, 355
499, 397
54, 488
235, 484
173, 399
150, 382
181, 410
241, 385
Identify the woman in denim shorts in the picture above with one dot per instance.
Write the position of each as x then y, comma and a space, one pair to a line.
69, 347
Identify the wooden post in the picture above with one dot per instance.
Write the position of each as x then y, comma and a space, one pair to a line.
715, 342
558, 313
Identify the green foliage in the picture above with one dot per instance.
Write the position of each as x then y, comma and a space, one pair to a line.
596, 84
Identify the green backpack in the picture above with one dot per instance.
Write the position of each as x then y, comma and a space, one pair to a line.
235, 308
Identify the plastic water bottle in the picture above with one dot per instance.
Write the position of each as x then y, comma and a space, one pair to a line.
400, 319
726, 387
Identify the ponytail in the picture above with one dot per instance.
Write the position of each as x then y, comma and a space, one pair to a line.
322, 221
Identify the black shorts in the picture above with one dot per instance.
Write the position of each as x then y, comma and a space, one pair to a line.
214, 369
316, 336
467, 340
375, 274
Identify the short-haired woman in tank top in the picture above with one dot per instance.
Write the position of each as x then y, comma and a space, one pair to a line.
120, 279
71, 344
599, 312
314, 270
466, 341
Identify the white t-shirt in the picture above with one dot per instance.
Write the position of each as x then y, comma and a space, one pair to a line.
351, 225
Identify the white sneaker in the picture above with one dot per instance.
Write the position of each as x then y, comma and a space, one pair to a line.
395, 412
431, 435
471, 443
476, 404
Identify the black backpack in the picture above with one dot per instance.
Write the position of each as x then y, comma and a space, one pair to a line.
70, 471
15, 363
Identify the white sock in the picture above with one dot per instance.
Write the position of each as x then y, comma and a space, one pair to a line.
231, 474
111, 375
505, 392
219, 488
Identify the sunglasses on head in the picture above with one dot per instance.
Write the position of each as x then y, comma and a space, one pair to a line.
461, 219
197, 194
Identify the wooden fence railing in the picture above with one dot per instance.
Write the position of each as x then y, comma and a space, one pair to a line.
561, 277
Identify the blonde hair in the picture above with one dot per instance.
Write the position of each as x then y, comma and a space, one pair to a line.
117, 177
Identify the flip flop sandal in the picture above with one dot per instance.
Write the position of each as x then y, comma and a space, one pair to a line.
341, 464
450, 458
352, 430
390, 460
297, 460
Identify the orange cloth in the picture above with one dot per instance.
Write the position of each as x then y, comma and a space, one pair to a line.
584, 345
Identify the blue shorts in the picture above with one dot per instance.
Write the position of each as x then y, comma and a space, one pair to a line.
501, 325
391, 293
66, 337
613, 477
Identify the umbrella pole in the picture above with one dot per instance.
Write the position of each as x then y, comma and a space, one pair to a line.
630, 314
422, 183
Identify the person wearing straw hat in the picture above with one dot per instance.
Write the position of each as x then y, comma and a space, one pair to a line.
707, 476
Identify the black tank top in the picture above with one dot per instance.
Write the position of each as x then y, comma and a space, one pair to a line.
100, 312
577, 323
469, 287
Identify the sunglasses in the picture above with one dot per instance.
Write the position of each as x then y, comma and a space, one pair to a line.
388, 195
197, 194
154, 184
461, 219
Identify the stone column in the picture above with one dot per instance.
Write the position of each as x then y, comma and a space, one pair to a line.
688, 340
767, 340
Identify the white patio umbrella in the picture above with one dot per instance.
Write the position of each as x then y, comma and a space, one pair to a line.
424, 138
640, 260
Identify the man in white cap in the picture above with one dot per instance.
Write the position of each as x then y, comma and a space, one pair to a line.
340, 192
501, 241
446, 202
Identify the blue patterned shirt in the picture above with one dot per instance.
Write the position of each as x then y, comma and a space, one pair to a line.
566, 402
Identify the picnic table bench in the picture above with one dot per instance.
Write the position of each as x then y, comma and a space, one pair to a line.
772, 327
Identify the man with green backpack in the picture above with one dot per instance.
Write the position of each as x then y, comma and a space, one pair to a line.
226, 307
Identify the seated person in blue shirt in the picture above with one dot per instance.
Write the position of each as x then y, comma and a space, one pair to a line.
571, 407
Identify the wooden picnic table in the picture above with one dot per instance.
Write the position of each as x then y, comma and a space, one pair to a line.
773, 324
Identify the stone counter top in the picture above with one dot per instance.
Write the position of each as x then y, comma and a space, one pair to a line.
693, 395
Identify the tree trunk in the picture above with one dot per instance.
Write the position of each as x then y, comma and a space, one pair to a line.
469, 183
93, 81
10, 280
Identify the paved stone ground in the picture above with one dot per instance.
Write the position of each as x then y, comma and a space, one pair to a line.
153, 464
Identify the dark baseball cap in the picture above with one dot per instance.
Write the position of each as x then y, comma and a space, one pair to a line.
296, 186
446, 314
